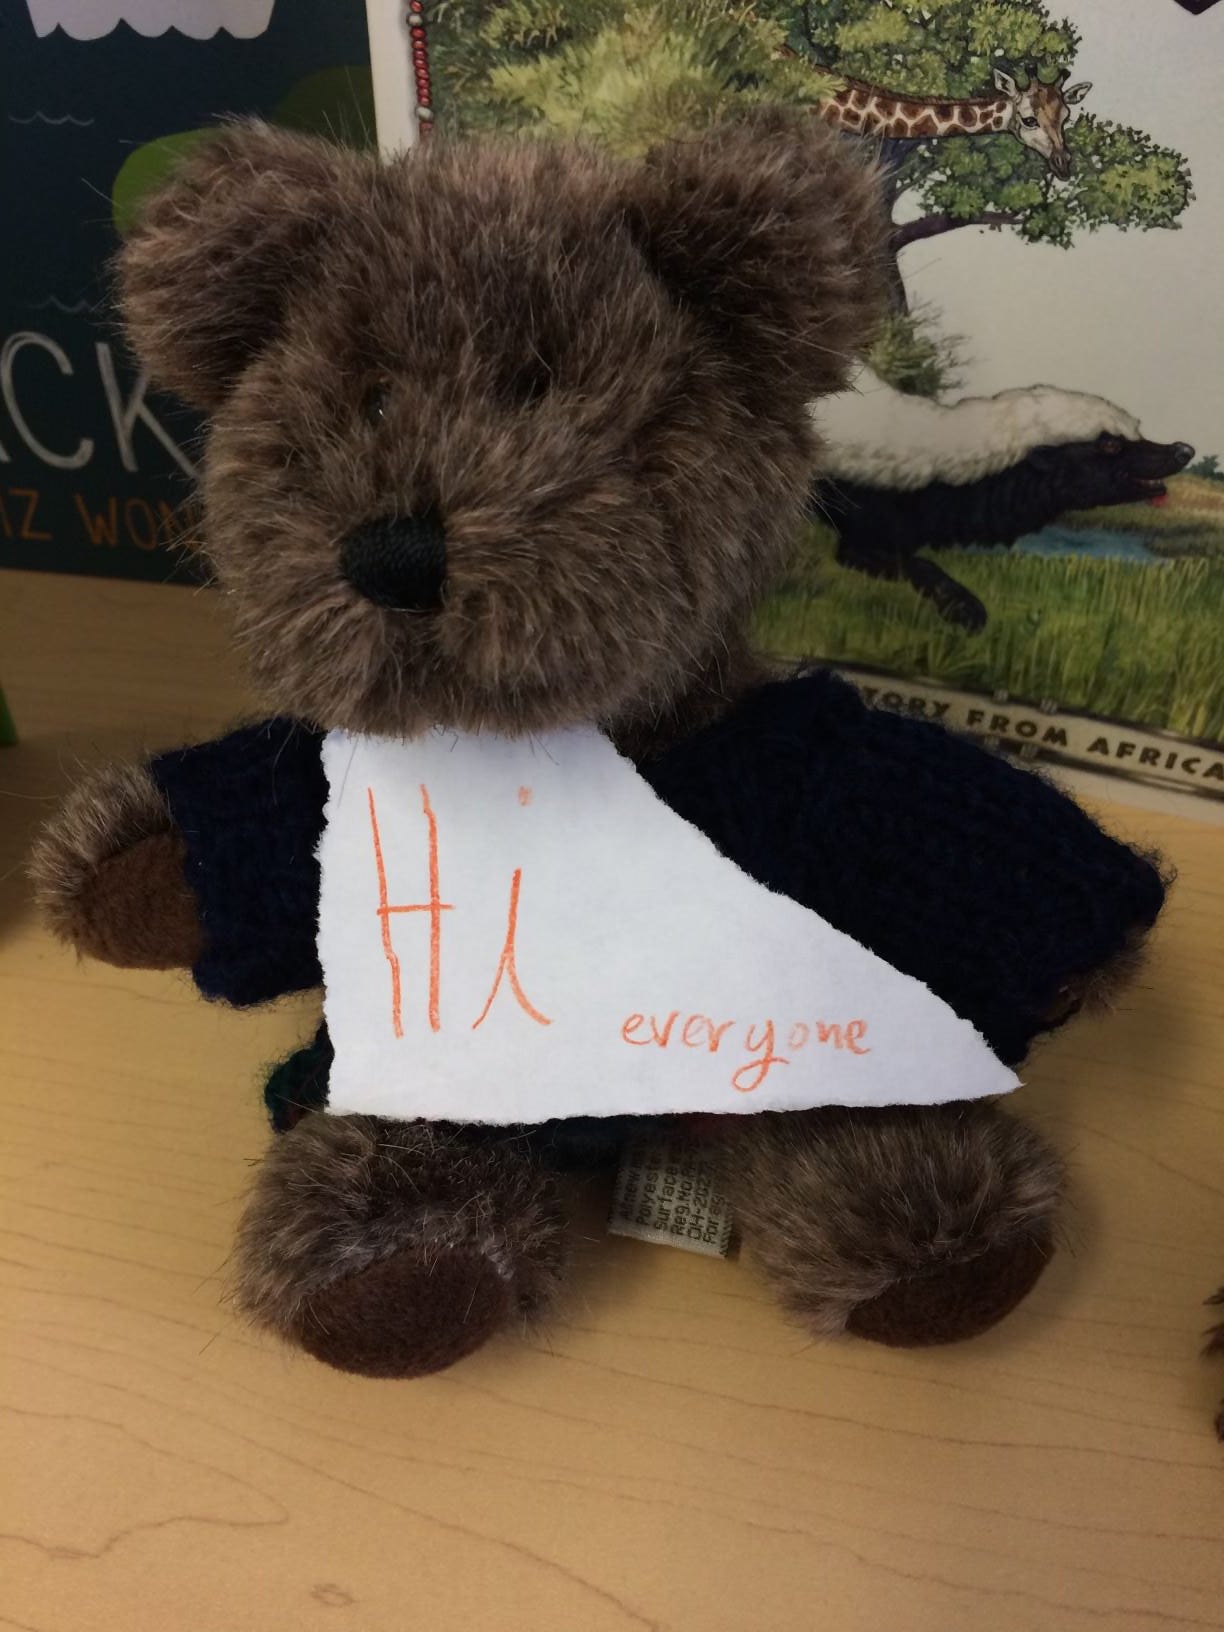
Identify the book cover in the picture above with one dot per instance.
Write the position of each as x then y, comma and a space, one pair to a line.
1020, 528
96, 99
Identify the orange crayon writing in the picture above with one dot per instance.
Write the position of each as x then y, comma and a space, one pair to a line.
760, 1040
507, 967
507, 964
855, 1032
660, 1039
397, 1010
435, 907
753, 1074
700, 1031
848, 1036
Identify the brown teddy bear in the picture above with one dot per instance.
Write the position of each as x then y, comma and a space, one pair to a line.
509, 439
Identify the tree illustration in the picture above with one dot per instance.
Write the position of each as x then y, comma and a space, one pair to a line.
628, 74
630, 71
949, 48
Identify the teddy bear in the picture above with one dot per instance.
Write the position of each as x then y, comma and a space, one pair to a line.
507, 440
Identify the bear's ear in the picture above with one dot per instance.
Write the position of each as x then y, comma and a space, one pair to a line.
772, 232
205, 273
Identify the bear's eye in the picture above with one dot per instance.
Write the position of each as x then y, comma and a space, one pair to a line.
1111, 444
376, 398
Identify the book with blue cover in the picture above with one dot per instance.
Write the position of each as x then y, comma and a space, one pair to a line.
97, 97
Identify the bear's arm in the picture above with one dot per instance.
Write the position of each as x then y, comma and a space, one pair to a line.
952, 863
203, 858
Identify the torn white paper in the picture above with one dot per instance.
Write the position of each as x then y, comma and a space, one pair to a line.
513, 930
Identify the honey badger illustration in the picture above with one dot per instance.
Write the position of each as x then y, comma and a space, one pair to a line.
902, 472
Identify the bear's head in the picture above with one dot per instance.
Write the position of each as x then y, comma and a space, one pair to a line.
503, 436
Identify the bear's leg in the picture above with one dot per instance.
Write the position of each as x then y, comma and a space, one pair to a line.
393, 1249
908, 1225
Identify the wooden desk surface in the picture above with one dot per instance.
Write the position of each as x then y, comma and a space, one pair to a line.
672, 1456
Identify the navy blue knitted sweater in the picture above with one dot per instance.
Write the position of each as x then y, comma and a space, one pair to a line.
953, 864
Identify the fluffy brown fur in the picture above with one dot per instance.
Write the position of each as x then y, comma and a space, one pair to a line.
595, 372
843, 1209
211, 268
108, 874
1098, 990
392, 1248
1101, 988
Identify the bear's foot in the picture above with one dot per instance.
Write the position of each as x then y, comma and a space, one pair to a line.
393, 1249
905, 1225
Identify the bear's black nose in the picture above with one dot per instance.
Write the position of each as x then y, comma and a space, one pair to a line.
398, 561
1183, 453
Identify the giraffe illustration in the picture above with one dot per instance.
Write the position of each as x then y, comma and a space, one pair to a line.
1036, 114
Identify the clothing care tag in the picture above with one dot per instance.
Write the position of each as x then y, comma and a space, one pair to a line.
514, 930
666, 1193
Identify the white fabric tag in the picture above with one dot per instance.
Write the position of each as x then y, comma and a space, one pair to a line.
666, 1193
514, 930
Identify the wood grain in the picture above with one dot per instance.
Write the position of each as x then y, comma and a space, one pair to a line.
671, 1456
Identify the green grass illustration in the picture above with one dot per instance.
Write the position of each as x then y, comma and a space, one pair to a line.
1135, 641
1190, 523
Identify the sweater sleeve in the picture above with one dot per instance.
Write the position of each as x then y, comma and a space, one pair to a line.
250, 809
955, 865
